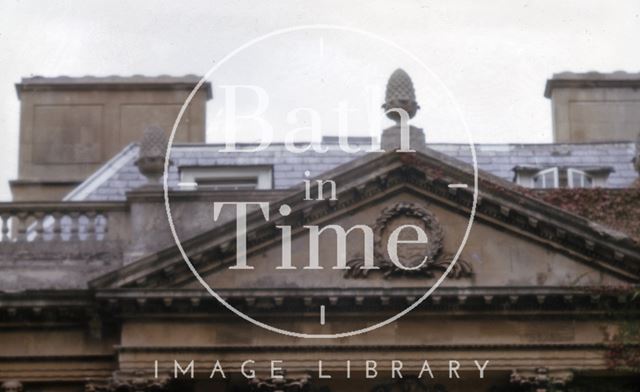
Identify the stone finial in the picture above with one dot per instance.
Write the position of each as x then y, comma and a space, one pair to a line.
154, 143
153, 148
400, 94
11, 386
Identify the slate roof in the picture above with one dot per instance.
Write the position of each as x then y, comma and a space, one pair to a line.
500, 159
119, 175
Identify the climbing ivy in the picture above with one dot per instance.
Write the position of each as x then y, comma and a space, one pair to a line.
618, 209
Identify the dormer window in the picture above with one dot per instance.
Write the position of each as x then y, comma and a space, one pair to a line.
547, 178
579, 179
561, 177
229, 178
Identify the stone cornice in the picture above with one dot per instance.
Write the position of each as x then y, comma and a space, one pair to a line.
137, 293
554, 301
86, 307
589, 82
377, 348
93, 83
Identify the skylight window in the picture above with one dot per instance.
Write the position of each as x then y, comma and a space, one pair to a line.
230, 178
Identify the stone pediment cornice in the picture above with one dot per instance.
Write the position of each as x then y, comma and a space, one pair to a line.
368, 178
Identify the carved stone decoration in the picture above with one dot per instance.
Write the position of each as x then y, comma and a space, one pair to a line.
96, 386
134, 382
284, 384
542, 379
409, 255
153, 148
11, 386
408, 385
400, 94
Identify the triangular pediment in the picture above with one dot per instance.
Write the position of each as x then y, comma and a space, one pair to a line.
515, 240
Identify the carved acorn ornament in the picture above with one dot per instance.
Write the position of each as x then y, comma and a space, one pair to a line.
400, 94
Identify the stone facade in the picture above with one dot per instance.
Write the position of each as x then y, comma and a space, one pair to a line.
96, 295
539, 298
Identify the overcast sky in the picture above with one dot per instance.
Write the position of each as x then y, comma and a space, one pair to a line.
492, 57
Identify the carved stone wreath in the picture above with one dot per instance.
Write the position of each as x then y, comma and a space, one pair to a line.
409, 255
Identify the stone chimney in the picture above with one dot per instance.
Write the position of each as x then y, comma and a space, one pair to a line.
594, 106
400, 106
70, 126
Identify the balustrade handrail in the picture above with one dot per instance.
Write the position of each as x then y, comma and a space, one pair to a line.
60, 206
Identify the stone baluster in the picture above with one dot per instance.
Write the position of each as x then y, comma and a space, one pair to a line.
90, 230
105, 224
74, 226
39, 226
56, 232
5, 219
21, 227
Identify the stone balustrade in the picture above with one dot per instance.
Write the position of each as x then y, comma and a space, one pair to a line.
57, 221
60, 244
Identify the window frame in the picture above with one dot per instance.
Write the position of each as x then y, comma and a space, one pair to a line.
542, 173
584, 175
